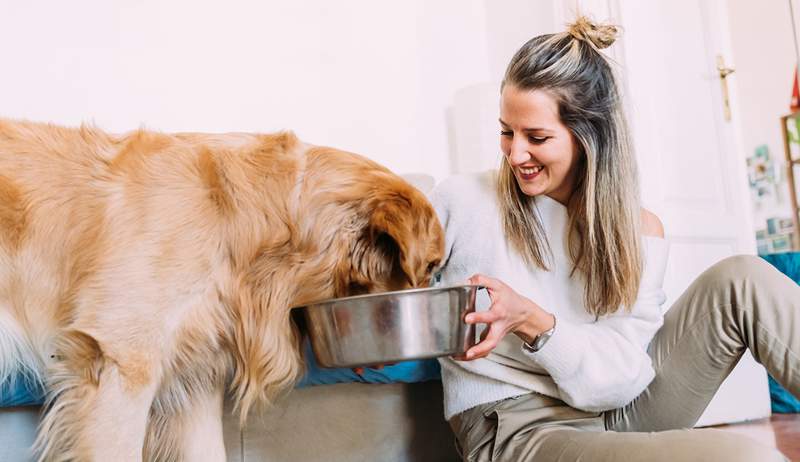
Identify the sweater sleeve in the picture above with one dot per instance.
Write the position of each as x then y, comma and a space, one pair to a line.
604, 364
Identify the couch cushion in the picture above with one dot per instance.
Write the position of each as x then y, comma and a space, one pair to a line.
784, 402
404, 372
344, 422
351, 422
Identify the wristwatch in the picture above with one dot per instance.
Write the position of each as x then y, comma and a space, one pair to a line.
540, 339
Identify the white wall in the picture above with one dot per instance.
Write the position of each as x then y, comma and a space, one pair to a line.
372, 77
475, 143
385, 79
764, 59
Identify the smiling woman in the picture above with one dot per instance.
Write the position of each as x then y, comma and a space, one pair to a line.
574, 267
568, 139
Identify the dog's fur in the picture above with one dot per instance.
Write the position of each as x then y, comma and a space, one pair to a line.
143, 277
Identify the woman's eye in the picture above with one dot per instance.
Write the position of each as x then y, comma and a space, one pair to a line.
508, 133
538, 140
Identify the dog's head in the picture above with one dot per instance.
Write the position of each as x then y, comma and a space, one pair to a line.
388, 235
400, 244
335, 224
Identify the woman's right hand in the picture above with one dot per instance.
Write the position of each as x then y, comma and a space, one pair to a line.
509, 312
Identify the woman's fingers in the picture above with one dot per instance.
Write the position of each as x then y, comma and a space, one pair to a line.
483, 317
481, 350
494, 318
485, 281
489, 340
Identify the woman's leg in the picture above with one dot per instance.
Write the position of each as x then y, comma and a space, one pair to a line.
536, 428
559, 443
741, 302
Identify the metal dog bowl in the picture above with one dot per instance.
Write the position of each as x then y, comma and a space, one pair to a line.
391, 326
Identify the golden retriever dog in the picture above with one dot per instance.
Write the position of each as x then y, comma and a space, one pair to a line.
146, 276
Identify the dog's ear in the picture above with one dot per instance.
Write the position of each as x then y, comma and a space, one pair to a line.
394, 216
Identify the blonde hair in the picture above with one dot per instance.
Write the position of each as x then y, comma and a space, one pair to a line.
604, 210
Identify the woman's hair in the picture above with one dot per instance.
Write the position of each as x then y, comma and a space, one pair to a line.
604, 211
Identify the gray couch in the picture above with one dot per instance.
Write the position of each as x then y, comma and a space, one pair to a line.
345, 422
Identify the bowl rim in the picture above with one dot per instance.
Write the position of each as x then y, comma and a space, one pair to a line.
378, 295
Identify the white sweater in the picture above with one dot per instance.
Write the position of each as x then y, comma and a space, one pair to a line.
591, 364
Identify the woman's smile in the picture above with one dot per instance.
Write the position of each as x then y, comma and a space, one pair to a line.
529, 173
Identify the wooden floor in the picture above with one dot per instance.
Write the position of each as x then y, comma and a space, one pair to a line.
781, 431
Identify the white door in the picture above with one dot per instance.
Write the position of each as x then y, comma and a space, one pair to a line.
691, 164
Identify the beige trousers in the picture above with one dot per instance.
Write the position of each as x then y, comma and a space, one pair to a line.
741, 302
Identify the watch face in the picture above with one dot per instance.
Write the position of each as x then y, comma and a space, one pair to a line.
540, 340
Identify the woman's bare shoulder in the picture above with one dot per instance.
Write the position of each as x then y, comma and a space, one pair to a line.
651, 224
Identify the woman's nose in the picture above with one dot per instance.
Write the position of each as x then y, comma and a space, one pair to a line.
518, 153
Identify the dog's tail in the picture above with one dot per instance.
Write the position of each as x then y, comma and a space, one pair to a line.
19, 363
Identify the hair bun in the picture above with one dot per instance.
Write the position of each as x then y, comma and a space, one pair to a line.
598, 35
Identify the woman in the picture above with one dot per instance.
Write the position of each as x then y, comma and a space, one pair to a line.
576, 361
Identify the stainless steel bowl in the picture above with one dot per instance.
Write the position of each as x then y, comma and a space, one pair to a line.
391, 326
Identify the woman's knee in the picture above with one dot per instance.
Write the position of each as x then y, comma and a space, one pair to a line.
738, 268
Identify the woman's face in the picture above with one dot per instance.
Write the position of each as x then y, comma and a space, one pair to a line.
538, 147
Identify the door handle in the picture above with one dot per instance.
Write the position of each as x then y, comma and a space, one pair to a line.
724, 72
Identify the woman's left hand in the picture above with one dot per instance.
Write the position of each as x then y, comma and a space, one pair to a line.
509, 312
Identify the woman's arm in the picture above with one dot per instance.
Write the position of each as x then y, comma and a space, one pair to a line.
597, 366
604, 364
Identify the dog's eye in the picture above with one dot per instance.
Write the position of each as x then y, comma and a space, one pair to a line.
355, 288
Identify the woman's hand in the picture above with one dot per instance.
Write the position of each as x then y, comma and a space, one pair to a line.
509, 312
